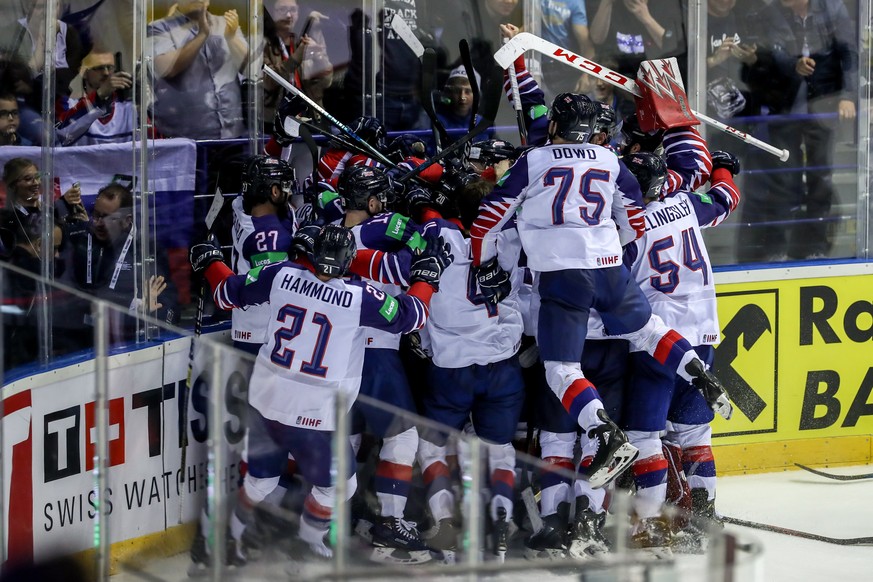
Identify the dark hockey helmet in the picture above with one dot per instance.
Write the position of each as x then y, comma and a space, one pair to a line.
406, 146
574, 116
492, 151
334, 250
649, 170
632, 134
606, 121
358, 183
261, 173
370, 130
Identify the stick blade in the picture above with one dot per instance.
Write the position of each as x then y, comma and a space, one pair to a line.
214, 208
514, 47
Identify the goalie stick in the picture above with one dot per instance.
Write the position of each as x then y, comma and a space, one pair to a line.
835, 476
526, 41
865, 541
371, 151
214, 210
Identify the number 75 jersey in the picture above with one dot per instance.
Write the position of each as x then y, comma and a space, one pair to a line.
577, 205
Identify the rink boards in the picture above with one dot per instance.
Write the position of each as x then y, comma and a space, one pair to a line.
795, 356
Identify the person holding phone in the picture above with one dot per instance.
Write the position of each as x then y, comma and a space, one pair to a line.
105, 89
302, 59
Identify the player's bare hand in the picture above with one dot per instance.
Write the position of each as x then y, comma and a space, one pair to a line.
509, 30
231, 23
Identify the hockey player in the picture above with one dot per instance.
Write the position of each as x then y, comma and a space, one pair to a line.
262, 222
364, 191
580, 205
475, 374
672, 267
315, 344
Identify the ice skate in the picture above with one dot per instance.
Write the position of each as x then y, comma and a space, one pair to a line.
201, 558
614, 453
586, 534
442, 539
397, 541
548, 543
711, 388
500, 534
652, 535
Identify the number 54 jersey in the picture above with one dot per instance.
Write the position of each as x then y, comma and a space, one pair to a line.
315, 337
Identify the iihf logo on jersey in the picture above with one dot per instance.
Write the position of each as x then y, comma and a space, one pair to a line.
608, 261
306, 421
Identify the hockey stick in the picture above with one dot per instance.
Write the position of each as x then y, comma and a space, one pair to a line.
428, 83
527, 494
313, 150
462, 141
526, 41
516, 101
866, 541
370, 150
834, 475
396, 23
211, 215
467, 59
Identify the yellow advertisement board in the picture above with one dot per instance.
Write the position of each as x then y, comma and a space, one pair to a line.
796, 357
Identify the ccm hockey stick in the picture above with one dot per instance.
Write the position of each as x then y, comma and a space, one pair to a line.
865, 541
371, 151
526, 41
835, 476
211, 215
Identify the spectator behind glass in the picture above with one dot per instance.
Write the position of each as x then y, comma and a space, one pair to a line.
10, 118
21, 236
22, 180
197, 59
103, 254
620, 100
456, 102
399, 78
302, 61
565, 23
807, 63
106, 96
631, 31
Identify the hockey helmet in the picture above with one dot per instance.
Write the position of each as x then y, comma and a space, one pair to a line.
574, 116
334, 250
649, 170
492, 151
261, 173
606, 121
632, 134
406, 146
358, 183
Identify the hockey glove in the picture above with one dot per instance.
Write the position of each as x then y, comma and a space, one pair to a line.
303, 241
416, 198
291, 106
493, 280
428, 267
204, 254
726, 160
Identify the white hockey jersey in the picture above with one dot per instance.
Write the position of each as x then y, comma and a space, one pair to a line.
464, 328
256, 242
577, 205
670, 262
316, 335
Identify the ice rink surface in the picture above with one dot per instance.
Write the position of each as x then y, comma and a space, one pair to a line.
792, 499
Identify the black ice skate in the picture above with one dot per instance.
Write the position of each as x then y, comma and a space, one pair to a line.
442, 539
711, 388
586, 534
500, 534
614, 453
548, 543
397, 541
201, 557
